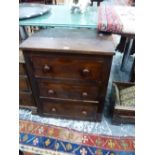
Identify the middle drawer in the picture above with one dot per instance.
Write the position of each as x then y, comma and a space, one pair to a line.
68, 90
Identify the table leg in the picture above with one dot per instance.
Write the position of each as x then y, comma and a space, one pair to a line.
126, 53
23, 33
20, 152
133, 72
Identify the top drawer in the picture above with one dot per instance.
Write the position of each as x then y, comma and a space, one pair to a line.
70, 67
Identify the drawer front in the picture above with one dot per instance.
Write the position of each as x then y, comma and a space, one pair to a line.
121, 112
69, 91
22, 69
25, 99
66, 67
68, 109
24, 84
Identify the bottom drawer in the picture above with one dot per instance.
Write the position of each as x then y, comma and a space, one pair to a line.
124, 112
123, 115
72, 110
25, 99
119, 119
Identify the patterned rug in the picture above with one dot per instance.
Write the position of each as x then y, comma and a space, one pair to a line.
116, 18
52, 140
108, 20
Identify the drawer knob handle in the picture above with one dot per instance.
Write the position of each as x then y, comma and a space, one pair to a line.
50, 91
84, 112
84, 94
85, 72
53, 110
46, 68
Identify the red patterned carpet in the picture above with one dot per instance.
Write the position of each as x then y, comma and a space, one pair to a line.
108, 20
44, 139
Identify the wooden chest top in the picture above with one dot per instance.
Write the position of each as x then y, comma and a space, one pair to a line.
84, 41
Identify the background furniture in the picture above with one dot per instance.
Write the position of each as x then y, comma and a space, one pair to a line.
25, 93
69, 72
121, 113
40, 1
98, 2
61, 16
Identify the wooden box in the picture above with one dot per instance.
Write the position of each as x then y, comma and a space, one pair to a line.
122, 113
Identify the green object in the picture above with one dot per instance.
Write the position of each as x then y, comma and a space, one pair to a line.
61, 16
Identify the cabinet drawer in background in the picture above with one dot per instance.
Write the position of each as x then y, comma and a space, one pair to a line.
22, 69
26, 99
24, 84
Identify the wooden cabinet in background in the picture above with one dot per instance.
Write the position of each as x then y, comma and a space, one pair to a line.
25, 94
123, 113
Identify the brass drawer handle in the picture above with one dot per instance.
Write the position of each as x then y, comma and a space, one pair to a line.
84, 112
53, 110
84, 94
85, 72
51, 92
46, 68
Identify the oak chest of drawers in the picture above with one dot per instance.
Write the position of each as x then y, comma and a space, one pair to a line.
69, 71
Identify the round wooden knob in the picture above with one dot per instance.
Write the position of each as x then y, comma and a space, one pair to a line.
50, 91
84, 94
53, 110
46, 68
84, 112
85, 72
